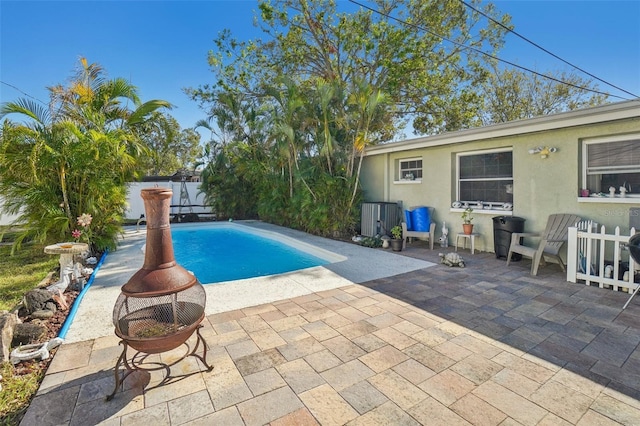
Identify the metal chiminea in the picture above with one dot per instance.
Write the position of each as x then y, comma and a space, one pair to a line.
162, 304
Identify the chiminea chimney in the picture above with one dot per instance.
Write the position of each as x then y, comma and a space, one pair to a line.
162, 304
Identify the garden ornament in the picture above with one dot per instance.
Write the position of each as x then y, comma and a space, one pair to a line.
451, 259
444, 239
37, 350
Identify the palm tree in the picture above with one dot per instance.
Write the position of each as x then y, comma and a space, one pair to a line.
72, 157
367, 104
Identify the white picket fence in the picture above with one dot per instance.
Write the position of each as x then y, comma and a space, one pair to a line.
590, 251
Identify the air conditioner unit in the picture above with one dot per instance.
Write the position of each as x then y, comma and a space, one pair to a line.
378, 218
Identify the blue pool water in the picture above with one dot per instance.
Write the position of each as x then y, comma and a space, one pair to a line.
225, 253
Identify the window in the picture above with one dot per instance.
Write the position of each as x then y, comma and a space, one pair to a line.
612, 162
410, 169
486, 177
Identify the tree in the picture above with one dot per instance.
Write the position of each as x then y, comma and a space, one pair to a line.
236, 157
351, 81
511, 94
168, 147
73, 157
426, 78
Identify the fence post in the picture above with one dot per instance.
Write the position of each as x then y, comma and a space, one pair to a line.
632, 263
572, 254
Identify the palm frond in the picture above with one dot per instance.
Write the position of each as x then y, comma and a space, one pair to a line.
28, 107
139, 115
120, 88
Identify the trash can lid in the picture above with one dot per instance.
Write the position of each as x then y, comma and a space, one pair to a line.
508, 219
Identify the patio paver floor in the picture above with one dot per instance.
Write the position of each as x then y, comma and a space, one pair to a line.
483, 345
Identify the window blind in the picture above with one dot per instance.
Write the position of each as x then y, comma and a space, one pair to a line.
613, 157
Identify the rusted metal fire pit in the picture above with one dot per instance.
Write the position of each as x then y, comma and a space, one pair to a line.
162, 304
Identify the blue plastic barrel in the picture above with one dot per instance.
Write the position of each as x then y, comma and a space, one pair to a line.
420, 219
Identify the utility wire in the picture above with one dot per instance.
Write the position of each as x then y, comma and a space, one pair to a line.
23, 92
545, 50
485, 53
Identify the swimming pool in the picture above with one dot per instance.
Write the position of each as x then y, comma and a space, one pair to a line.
227, 252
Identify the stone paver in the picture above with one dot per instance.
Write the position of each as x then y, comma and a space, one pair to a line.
510, 403
386, 414
269, 406
53, 406
322, 361
398, 389
383, 358
300, 375
431, 412
190, 407
477, 412
484, 345
264, 381
562, 401
363, 396
156, 415
328, 406
347, 374
447, 386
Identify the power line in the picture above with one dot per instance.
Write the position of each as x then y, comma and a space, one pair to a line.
546, 51
23, 92
485, 53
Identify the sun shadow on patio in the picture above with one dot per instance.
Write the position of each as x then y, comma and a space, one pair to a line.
578, 328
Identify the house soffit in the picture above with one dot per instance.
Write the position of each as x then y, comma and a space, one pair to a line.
601, 114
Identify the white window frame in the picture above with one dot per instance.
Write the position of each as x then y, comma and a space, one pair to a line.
489, 206
400, 178
584, 167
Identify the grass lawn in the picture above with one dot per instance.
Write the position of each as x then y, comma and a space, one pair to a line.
22, 272
18, 274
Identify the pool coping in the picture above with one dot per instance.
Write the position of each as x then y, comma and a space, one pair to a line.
94, 315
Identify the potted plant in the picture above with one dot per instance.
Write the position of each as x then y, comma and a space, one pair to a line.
467, 217
396, 241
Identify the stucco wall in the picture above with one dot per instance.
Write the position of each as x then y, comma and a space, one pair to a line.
541, 186
372, 178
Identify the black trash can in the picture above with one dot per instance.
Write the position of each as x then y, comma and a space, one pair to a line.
503, 227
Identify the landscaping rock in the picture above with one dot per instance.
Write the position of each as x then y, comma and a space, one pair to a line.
42, 314
8, 321
28, 333
36, 300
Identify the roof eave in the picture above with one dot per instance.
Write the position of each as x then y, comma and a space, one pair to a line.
599, 114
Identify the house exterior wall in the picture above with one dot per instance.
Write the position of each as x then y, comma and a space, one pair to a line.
373, 179
540, 186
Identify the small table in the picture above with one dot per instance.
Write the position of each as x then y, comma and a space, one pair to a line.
466, 237
66, 252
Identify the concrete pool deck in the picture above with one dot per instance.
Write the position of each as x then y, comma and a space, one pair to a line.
94, 314
483, 345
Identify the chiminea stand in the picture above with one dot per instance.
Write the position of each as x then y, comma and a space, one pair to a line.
137, 364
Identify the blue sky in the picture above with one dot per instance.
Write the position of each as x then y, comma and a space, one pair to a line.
161, 46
